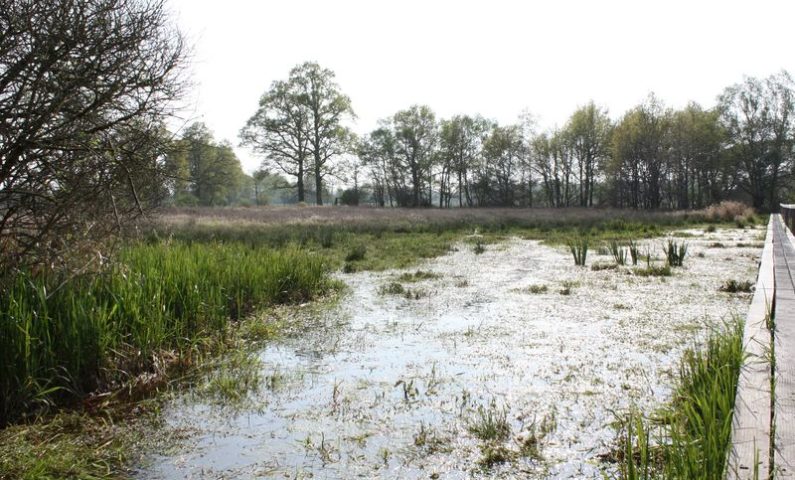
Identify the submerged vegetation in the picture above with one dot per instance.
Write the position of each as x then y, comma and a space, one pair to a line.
689, 437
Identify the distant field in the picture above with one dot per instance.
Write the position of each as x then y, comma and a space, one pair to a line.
371, 215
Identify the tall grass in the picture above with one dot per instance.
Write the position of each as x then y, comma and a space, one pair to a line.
675, 253
60, 340
690, 439
578, 246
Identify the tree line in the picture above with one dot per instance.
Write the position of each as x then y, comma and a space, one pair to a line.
651, 157
87, 89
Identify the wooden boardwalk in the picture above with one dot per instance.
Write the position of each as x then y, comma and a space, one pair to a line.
752, 416
784, 265
771, 361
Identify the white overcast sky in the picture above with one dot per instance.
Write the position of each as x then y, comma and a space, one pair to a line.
496, 58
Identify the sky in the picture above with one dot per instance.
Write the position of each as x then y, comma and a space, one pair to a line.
497, 58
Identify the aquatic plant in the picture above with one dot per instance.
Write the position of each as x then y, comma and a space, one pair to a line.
490, 423
735, 286
63, 337
675, 253
619, 252
540, 288
690, 436
653, 271
634, 251
579, 248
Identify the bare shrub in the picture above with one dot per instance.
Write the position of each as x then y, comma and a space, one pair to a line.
728, 211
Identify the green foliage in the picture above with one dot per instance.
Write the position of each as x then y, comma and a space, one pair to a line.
734, 286
356, 253
654, 271
204, 172
579, 248
537, 289
634, 251
350, 197
691, 439
675, 253
490, 424
392, 288
417, 276
619, 252
61, 338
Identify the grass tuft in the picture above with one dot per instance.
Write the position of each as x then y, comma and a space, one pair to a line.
675, 253
691, 437
734, 286
578, 246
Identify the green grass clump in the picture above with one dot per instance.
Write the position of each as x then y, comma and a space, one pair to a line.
735, 286
392, 288
675, 253
356, 253
490, 424
618, 252
578, 246
63, 337
536, 289
691, 437
417, 276
653, 271
634, 251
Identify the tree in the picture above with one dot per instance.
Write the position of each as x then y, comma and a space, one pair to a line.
699, 172
587, 137
460, 143
377, 153
298, 126
502, 151
758, 115
84, 90
415, 133
280, 131
327, 108
639, 155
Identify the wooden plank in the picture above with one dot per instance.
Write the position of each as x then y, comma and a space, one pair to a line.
784, 248
751, 422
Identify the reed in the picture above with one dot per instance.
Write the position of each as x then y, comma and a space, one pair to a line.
61, 338
691, 436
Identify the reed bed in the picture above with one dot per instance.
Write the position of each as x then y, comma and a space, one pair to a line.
62, 338
689, 438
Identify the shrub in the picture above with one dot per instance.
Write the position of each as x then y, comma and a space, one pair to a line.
728, 211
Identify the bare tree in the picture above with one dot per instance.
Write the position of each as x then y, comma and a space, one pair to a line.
84, 90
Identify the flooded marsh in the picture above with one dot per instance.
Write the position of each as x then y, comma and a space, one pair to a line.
508, 363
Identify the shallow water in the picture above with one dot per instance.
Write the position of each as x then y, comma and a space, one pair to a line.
386, 387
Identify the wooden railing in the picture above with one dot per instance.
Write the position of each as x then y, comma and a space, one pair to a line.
788, 215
